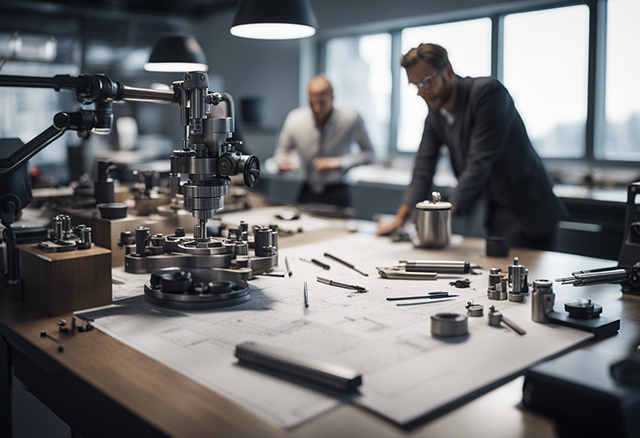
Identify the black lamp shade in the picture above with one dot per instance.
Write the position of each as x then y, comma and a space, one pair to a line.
177, 53
274, 19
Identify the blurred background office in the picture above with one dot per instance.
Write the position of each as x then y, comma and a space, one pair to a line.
570, 66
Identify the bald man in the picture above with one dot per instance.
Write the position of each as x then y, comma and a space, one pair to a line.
318, 139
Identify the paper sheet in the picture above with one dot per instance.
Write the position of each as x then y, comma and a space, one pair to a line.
407, 374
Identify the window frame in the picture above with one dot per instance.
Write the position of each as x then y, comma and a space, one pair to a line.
596, 81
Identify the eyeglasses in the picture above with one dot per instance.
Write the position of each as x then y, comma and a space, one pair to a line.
427, 82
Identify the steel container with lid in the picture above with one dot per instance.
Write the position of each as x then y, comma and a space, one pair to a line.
433, 224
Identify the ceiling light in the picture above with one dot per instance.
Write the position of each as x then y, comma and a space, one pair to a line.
274, 19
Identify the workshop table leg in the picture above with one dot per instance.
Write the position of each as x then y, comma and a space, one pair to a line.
6, 428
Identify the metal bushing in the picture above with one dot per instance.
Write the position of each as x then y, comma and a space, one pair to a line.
203, 203
496, 295
516, 297
448, 325
205, 191
474, 310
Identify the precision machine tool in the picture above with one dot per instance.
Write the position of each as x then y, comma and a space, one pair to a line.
627, 273
208, 157
580, 313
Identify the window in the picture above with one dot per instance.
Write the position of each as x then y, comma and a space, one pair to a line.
546, 71
621, 140
361, 80
469, 46
542, 57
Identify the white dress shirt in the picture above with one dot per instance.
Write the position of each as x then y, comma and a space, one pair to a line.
300, 134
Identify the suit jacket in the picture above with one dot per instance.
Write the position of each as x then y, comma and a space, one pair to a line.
490, 151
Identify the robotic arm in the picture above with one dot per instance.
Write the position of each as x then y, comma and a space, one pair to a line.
207, 156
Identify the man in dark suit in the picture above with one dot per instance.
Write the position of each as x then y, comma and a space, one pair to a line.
489, 148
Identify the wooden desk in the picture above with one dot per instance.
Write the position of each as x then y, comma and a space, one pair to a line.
101, 387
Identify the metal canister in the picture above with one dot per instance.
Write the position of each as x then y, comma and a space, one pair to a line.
433, 224
542, 300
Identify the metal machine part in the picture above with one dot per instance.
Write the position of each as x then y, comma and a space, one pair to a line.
496, 319
498, 285
65, 238
518, 277
359, 289
474, 310
583, 308
299, 365
148, 197
208, 156
433, 223
586, 278
461, 284
542, 300
400, 273
104, 186
150, 253
581, 314
440, 266
197, 288
449, 325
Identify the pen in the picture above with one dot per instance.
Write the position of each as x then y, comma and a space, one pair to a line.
428, 297
316, 262
344, 285
423, 302
286, 263
306, 295
347, 264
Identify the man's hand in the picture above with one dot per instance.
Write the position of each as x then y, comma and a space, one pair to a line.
322, 164
385, 228
286, 163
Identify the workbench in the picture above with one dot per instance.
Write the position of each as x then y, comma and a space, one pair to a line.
101, 387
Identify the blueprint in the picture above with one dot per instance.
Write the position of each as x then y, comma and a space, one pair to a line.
408, 375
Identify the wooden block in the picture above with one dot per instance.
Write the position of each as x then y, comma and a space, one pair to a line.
63, 282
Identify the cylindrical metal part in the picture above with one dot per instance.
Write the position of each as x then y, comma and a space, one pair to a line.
104, 191
493, 294
433, 223
241, 248
449, 325
174, 185
127, 238
57, 227
216, 132
516, 297
517, 275
510, 269
142, 234
475, 310
495, 277
542, 300
495, 318
149, 95
262, 241
274, 239
442, 266
66, 227
197, 104
86, 236
200, 229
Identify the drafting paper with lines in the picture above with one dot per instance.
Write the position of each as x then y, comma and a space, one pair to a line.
407, 374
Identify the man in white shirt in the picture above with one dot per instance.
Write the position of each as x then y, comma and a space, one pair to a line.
318, 140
